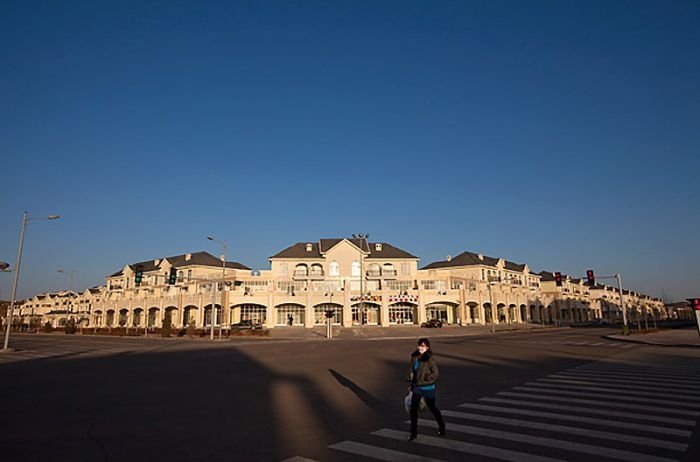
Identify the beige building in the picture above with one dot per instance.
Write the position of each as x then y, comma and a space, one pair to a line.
356, 281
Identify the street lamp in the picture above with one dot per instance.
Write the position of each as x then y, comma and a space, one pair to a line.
362, 237
223, 294
25, 220
70, 292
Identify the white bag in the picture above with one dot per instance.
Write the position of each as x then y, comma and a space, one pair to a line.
407, 403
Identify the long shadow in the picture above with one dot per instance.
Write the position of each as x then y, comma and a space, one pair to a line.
369, 400
242, 402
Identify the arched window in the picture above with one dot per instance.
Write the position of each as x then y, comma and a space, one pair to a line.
374, 270
316, 269
388, 270
335, 268
355, 271
301, 270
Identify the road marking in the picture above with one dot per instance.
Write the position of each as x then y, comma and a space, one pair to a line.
650, 371
556, 428
573, 418
653, 382
637, 375
380, 453
588, 410
547, 389
599, 403
607, 390
622, 376
551, 443
469, 448
617, 385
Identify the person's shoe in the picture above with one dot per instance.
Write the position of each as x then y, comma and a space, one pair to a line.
441, 432
412, 437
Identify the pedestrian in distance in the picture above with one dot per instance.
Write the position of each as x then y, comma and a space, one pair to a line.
290, 320
423, 375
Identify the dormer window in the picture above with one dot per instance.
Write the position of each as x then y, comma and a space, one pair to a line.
309, 247
378, 247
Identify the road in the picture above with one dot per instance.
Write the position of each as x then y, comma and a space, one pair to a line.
525, 396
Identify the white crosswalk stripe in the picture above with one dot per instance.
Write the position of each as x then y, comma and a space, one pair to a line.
552, 443
574, 414
609, 384
469, 448
646, 441
606, 390
598, 402
588, 410
630, 378
547, 389
379, 453
574, 418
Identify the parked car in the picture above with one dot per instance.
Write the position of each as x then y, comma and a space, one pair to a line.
246, 324
432, 323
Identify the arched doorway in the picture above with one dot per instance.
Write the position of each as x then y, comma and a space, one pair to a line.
371, 313
402, 313
110, 318
123, 317
248, 312
207, 315
153, 313
189, 316
136, 318
443, 312
320, 313
290, 314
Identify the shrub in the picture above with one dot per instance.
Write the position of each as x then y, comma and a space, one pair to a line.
47, 327
70, 328
167, 327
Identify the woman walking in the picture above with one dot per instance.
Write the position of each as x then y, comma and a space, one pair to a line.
423, 374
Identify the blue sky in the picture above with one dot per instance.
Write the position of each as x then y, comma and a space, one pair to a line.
561, 134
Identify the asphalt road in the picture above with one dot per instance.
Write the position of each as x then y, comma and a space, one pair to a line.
540, 396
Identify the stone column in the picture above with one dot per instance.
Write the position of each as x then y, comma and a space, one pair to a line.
308, 310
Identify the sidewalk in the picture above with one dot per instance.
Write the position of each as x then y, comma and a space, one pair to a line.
398, 332
687, 337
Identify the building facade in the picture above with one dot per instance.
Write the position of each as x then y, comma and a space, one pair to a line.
358, 282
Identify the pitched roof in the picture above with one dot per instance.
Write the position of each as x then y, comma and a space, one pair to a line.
319, 248
464, 259
196, 259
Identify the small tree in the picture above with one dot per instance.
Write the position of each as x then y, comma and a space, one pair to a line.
167, 327
71, 327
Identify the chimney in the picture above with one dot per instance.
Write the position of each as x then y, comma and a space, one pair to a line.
378, 247
156, 262
449, 258
188, 256
481, 257
309, 247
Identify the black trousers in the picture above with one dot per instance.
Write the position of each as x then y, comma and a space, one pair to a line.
430, 402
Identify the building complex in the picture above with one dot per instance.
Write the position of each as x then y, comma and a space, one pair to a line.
356, 281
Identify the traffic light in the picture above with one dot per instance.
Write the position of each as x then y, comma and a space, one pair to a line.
695, 303
591, 277
138, 277
172, 279
557, 278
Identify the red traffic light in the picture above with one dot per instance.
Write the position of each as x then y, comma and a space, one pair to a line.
694, 303
557, 278
590, 277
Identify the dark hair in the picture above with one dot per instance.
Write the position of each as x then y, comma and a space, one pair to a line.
424, 341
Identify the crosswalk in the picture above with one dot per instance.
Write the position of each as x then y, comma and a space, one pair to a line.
619, 408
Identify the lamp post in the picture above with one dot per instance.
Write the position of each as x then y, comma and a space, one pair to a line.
493, 314
70, 292
223, 293
361, 315
25, 220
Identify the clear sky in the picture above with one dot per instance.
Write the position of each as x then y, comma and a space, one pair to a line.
561, 134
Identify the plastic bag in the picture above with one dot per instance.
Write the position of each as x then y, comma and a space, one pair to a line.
407, 403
